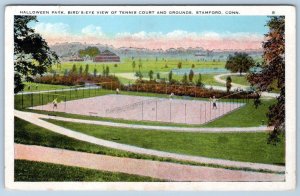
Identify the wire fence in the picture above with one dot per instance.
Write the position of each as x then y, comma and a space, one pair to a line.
178, 109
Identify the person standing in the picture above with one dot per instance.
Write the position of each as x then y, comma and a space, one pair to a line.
214, 101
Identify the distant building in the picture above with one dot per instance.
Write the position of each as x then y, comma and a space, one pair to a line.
107, 56
76, 58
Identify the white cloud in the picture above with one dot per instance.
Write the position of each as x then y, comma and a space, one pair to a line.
52, 29
92, 30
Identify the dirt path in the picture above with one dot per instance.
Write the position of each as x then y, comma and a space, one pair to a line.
34, 119
155, 169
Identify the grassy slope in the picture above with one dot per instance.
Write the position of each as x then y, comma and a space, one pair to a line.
27, 133
251, 147
31, 171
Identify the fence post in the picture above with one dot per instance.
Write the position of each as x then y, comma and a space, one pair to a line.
31, 99
22, 100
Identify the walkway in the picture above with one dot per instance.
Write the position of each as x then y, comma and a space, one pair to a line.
154, 169
235, 86
34, 119
149, 127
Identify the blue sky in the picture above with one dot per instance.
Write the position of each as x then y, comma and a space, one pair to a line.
156, 32
132, 24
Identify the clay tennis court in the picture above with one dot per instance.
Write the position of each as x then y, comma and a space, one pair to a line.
145, 108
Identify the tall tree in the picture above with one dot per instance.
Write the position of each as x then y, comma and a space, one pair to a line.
32, 55
239, 62
199, 81
228, 83
273, 70
133, 65
151, 74
86, 70
170, 76
80, 70
95, 72
184, 79
191, 75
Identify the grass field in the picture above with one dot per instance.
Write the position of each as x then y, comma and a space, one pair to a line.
250, 147
32, 86
147, 64
31, 171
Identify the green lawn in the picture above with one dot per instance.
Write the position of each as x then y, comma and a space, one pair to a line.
31, 171
238, 79
207, 79
147, 64
30, 134
32, 86
250, 147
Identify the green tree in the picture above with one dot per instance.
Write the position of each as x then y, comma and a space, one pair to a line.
179, 65
193, 66
74, 69
170, 76
273, 71
191, 75
80, 70
199, 81
32, 55
158, 75
140, 64
228, 83
133, 65
150, 74
239, 62
107, 71
95, 72
86, 70
90, 51
103, 71
139, 75
184, 79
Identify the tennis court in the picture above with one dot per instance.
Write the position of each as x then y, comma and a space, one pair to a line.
145, 108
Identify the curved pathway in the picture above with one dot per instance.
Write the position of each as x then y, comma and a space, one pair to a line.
219, 79
154, 169
148, 127
34, 119
236, 86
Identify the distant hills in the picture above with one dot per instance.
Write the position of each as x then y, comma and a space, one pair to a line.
68, 50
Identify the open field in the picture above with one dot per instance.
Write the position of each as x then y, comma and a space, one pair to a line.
145, 108
230, 146
31, 171
147, 64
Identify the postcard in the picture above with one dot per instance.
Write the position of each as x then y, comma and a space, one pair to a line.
152, 97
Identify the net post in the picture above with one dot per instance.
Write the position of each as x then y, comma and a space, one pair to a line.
185, 112
156, 110
170, 111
